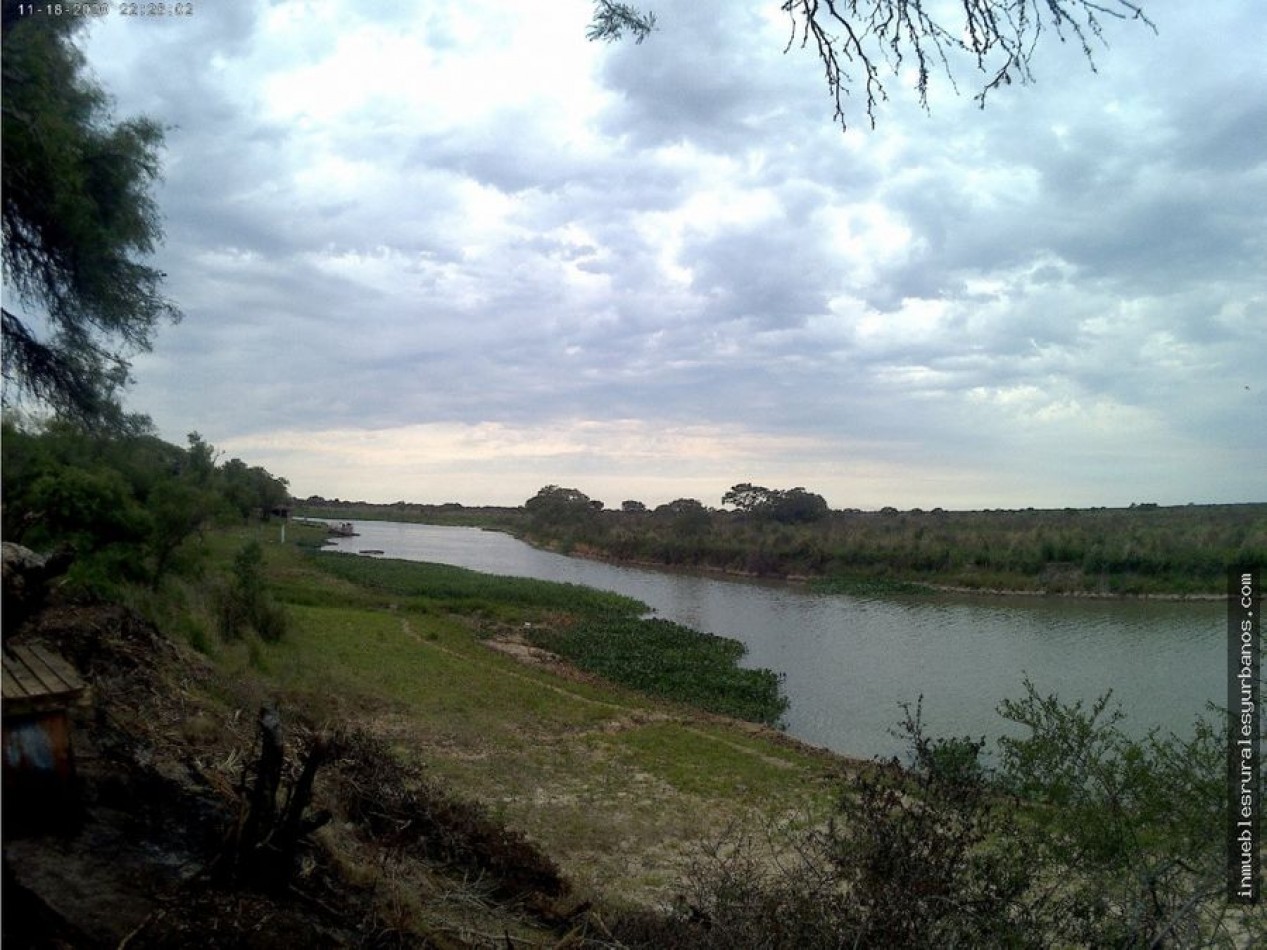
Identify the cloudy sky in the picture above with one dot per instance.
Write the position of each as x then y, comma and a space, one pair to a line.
452, 251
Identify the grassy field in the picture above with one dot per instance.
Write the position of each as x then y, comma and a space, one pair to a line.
617, 786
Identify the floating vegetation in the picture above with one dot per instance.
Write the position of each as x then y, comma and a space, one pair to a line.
670, 660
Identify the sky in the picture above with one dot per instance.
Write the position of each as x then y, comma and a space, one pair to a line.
452, 251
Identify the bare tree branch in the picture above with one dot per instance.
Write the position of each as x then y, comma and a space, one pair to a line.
998, 38
858, 41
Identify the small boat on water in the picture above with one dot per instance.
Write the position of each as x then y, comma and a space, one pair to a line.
370, 551
343, 530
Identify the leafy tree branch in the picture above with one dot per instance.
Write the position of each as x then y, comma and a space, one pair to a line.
79, 219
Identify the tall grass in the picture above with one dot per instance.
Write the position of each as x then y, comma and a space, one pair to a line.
1140, 550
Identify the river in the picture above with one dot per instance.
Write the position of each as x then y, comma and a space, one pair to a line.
849, 662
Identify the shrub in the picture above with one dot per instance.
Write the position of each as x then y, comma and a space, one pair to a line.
246, 603
1080, 836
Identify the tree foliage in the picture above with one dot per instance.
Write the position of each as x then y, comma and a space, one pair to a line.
786, 506
860, 43
612, 20
245, 603
251, 490
78, 220
687, 517
125, 506
557, 506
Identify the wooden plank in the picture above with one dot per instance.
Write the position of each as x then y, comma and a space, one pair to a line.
49, 684
11, 686
28, 684
59, 675
35, 677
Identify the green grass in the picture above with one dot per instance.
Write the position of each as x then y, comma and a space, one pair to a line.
670, 660
617, 785
707, 762
423, 666
602, 632
465, 591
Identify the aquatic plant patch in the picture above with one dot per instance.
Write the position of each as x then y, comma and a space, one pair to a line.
670, 660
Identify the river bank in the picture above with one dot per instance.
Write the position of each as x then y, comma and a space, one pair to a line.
557, 802
850, 660
1146, 551
619, 787
476, 791
860, 584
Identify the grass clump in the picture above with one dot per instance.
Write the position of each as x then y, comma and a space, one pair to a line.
863, 586
670, 660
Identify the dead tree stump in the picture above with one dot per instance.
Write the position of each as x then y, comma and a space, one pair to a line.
262, 848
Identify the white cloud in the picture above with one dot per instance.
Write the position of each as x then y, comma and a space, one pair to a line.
453, 252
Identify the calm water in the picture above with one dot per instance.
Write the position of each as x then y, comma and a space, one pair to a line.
849, 661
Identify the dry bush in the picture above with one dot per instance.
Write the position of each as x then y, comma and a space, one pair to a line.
396, 807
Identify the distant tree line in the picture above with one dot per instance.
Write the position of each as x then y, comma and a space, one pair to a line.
793, 532
774, 532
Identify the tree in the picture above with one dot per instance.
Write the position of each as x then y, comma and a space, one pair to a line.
128, 507
857, 43
611, 20
252, 490
688, 516
786, 506
798, 506
78, 217
747, 497
556, 506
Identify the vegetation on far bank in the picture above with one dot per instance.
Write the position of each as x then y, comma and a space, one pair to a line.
1145, 549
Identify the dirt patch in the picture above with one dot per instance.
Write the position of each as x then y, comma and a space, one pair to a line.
516, 647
